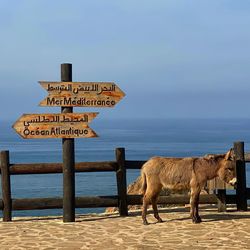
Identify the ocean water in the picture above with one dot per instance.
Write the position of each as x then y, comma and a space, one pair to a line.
141, 138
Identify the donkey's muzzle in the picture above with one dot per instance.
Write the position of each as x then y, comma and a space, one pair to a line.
233, 182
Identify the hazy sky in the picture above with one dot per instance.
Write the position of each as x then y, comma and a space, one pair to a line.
172, 58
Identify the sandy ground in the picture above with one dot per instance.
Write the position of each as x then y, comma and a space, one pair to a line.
229, 230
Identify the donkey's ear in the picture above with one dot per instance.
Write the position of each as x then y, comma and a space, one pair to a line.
229, 155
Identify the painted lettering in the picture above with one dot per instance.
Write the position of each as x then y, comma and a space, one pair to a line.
54, 101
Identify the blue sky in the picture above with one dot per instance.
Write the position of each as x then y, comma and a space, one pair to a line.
171, 58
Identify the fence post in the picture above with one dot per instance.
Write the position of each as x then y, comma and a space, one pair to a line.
241, 190
6, 189
221, 196
121, 182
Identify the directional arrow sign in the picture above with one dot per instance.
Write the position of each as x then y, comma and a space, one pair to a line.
64, 125
81, 94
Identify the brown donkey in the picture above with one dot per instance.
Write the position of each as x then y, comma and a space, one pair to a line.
184, 173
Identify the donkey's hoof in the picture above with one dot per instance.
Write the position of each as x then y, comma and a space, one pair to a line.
160, 221
145, 223
196, 220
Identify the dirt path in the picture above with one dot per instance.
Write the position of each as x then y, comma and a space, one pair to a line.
229, 230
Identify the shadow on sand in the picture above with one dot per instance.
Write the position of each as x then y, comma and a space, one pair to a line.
208, 214
211, 214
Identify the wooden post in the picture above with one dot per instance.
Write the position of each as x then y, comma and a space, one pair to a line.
6, 189
68, 146
121, 182
241, 190
222, 206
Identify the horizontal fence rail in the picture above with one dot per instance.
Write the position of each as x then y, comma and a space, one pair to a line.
247, 157
122, 199
109, 201
53, 168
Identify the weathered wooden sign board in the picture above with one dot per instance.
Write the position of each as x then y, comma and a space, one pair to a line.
62, 125
81, 94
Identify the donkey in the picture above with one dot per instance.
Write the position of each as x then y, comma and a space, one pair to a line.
184, 173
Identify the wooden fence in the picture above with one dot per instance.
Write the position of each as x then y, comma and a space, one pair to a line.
121, 200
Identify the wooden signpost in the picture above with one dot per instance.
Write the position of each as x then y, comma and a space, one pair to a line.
68, 155
68, 125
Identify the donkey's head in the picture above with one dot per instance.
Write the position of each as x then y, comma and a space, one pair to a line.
227, 169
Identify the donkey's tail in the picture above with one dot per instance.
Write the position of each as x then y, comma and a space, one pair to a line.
144, 183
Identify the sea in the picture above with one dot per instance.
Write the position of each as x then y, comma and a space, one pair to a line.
141, 138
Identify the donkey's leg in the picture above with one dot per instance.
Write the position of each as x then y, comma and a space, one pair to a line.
154, 205
194, 202
151, 195
197, 216
156, 214
144, 209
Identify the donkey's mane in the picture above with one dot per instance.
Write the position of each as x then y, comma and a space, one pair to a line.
214, 156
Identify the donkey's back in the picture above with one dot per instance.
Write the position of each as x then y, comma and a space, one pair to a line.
174, 173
